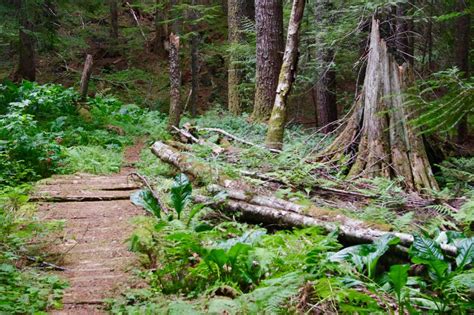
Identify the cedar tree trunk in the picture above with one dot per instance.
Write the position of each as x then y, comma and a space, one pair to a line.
377, 139
276, 125
269, 25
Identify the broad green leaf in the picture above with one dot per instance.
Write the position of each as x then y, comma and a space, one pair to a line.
465, 252
145, 199
180, 193
398, 276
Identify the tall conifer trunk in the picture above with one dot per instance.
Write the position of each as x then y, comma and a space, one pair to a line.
27, 43
269, 25
237, 11
326, 107
276, 125
113, 19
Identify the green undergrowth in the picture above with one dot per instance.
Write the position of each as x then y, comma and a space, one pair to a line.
45, 129
201, 261
390, 208
24, 287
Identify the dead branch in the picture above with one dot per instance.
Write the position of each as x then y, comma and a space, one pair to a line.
188, 135
45, 263
229, 135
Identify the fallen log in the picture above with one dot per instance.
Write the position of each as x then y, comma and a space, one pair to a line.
286, 218
242, 198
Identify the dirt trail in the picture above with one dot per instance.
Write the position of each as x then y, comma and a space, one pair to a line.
97, 213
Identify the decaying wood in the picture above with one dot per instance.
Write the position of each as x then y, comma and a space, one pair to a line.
351, 230
231, 136
377, 138
78, 198
86, 75
175, 82
188, 135
267, 208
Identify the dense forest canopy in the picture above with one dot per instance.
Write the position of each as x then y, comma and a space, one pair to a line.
245, 157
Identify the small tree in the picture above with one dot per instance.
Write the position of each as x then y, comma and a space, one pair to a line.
276, 125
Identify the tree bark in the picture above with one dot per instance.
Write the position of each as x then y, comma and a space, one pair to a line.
269, 26
194, 62
461, 49
161, 28
86, 75
267, 208
27, 43
377, 139
326, 107
237, 10
175, 83
113, 19
276, 125
404, 39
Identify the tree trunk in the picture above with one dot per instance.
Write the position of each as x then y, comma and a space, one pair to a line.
175, 83
161, 28
194, 62
404, 39
269, 26
27, 43
267, 208
113, 20
86, 75
237, 11
326, 107
276, 125
377, 138
461, 49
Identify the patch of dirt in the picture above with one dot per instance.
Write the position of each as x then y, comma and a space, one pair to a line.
93, 246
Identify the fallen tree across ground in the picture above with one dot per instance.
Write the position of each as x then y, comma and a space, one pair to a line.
262, 206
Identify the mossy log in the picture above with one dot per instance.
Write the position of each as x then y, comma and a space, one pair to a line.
377, 138
264, 207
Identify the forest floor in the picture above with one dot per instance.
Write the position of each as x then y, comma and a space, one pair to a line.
92, 248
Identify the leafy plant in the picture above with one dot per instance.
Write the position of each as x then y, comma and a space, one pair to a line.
366, 256
180, 193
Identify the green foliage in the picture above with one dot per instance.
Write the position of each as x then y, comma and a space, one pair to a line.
180, 193
92, 159
23, 289
366, 256
43, 131
146, 200
443, 101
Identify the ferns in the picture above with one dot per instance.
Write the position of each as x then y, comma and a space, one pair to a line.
443, 101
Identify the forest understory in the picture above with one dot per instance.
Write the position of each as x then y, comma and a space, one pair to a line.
232, 157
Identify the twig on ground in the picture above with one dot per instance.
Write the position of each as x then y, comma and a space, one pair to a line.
45, 263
